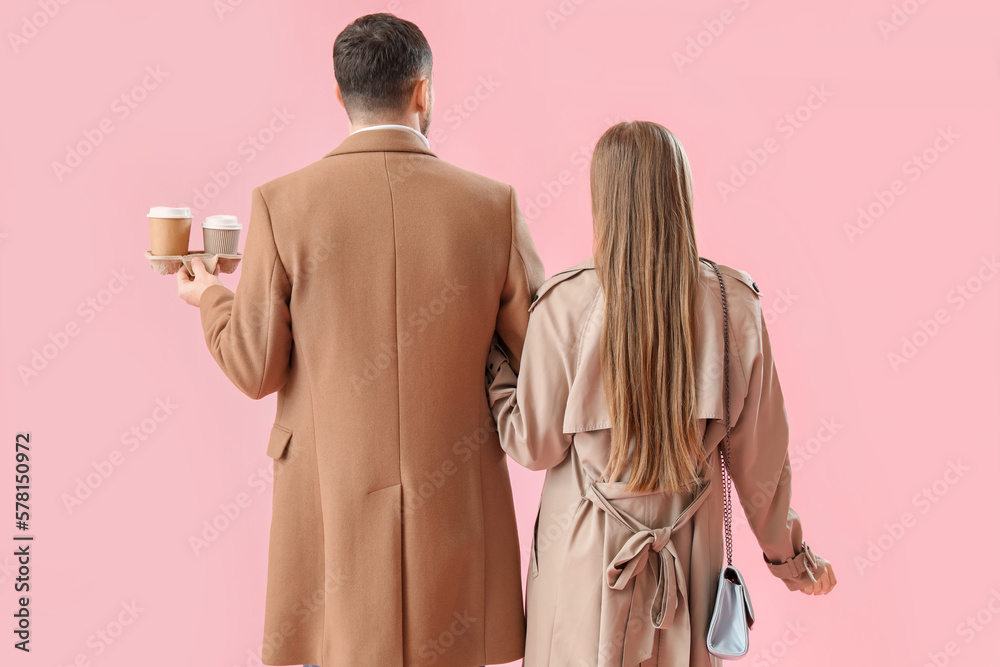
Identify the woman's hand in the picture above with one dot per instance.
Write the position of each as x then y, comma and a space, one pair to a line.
825, 583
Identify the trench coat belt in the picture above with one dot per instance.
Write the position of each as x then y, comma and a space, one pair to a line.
629, 563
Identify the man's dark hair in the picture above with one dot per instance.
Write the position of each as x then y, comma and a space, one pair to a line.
377, 60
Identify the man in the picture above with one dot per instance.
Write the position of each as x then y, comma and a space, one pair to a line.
373, 281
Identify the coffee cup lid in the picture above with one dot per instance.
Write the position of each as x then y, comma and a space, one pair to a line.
169, 212
221, 222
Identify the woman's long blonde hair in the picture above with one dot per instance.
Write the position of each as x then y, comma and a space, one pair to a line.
647, 262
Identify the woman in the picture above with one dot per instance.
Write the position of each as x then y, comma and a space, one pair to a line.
620, 397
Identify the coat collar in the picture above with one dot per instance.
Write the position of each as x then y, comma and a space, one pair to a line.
380, 141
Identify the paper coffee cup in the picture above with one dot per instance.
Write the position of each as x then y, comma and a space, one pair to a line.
222, 234
169, 230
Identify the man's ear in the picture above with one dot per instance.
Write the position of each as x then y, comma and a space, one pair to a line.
340, 97
421, 100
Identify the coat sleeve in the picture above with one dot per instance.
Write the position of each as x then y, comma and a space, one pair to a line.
529, 406
525, 274
249, 332
761, 469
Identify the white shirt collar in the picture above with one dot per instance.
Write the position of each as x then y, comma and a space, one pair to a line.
395, 127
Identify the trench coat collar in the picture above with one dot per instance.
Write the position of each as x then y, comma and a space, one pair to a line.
382, 140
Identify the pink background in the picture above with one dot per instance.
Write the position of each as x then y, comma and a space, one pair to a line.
869, 437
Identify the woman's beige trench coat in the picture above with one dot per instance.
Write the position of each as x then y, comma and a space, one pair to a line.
622, 579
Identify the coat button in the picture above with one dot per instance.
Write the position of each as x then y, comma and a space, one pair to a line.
755, 288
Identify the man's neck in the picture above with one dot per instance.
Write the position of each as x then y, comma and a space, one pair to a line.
411, 123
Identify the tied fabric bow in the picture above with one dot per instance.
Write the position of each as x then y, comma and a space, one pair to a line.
647, 610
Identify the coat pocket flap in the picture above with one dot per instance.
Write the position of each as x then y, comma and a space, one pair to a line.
278, 441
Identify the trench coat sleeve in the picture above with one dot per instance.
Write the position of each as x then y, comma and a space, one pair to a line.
529, 406
761, 469
525, 274
249, 332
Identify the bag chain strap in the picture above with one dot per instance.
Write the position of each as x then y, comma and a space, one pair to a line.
727, 503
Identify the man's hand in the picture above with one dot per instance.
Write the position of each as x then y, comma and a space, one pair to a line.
190, 289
